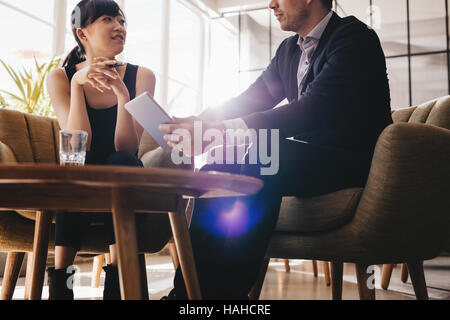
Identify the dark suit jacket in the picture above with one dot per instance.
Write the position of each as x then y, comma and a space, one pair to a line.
345, 101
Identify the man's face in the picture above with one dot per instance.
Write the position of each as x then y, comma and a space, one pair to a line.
290, 13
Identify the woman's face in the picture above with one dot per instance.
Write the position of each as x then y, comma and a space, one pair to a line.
106, 36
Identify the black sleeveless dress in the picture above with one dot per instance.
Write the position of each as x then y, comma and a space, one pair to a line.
71, 226
103, 121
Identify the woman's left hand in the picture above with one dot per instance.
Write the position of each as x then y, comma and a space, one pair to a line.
116, 85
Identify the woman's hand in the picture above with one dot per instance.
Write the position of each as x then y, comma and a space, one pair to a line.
102, 77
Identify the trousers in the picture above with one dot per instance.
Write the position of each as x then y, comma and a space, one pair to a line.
230, 235
71, 226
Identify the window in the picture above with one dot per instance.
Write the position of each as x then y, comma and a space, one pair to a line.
390, 23
186, 52
254, 40
28, 36
223, 68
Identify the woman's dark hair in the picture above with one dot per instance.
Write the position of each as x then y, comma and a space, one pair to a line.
85, 13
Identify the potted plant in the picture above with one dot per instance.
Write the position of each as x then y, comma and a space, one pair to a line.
32, 97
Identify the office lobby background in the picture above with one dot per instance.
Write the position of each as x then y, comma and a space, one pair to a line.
205, 51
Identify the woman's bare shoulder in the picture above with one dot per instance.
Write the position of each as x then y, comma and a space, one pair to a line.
145, 73
57, 77
145, 80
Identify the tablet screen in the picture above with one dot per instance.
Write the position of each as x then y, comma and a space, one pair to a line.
149, 114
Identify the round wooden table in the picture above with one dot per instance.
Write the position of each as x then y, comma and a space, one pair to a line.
123, 191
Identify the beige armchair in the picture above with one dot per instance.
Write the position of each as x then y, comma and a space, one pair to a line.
34, 139
400, 216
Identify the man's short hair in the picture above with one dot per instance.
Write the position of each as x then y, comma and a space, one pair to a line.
328, 4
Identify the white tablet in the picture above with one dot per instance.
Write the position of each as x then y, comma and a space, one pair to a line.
149, 114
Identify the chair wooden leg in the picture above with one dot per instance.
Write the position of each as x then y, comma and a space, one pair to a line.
366, 290
404, 273
12, 268
256, 290
418, 279
326, 273
143, 267
174, 255
28, 275
314, 264
124, 219
183, 244
40, 249
287, 267
97, 270
386, 277
337, 269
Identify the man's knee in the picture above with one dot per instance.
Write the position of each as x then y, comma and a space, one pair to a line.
123, 158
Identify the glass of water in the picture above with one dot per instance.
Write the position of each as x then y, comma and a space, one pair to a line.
72, 147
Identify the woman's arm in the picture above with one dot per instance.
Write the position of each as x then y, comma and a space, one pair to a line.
128, 130
68, 103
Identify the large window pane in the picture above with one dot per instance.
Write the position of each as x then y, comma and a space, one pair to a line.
429, 77
222, 73
427, 21
24, 38
390, 22
358, 8
185, 60
397, 69
70, 40
255, 47
144, 31
41, 8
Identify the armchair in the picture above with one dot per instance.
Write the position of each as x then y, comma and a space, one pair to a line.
400, 216
34, 139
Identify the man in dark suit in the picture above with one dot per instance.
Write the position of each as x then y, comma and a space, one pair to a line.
333, 73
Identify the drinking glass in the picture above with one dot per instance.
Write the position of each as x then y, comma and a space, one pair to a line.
72, 147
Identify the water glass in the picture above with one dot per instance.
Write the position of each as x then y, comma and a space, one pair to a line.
72, 147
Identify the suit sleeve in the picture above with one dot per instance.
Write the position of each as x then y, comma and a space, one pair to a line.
333, 92
264, 94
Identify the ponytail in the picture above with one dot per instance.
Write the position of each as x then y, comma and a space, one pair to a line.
74, 57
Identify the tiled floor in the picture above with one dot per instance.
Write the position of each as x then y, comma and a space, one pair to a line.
298, 284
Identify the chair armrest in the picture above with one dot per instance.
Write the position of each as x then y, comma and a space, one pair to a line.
158, 158
6, 154
406, 201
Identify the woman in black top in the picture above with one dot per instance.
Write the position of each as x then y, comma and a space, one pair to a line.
88, 94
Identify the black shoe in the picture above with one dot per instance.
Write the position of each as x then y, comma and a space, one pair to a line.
111, 289
172, 296
60, 287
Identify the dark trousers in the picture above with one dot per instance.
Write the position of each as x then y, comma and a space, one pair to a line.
230, 235
70, 227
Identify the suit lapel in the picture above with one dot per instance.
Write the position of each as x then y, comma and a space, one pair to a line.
293, 70
334, 21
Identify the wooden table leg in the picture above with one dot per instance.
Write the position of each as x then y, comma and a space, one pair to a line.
124, 219
40, 250
184, 249
12, 270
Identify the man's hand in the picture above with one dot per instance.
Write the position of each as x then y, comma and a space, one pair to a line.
180, 135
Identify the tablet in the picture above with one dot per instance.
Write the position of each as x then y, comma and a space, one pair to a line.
149, 114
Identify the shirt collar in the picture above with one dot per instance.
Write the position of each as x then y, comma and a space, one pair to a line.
318, 30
